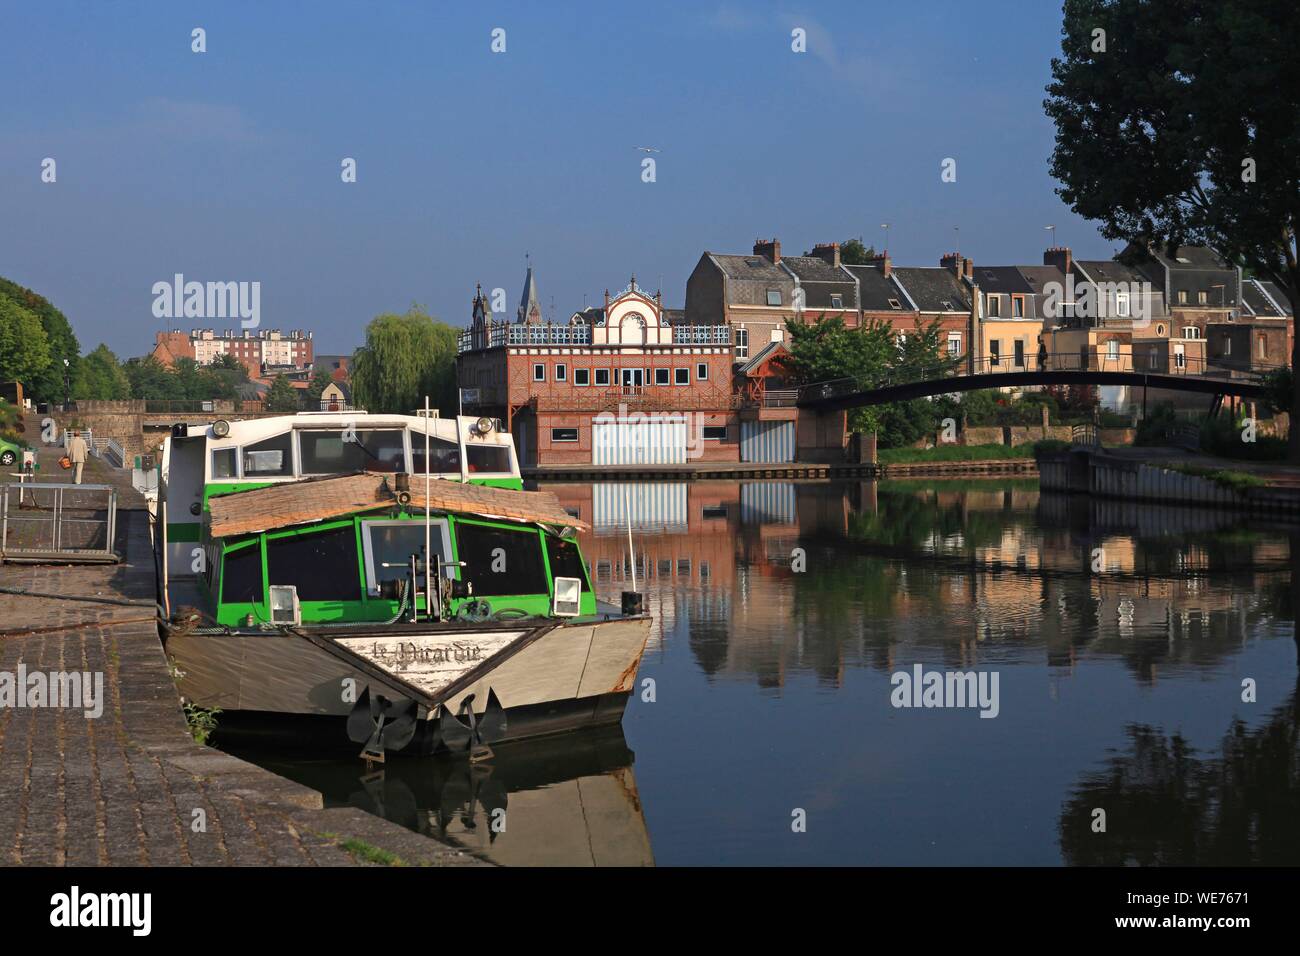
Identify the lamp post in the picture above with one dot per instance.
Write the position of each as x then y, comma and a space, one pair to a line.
67, 385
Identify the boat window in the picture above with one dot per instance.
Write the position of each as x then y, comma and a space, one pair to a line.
270, 458
341, 451
241, 576
393, 542
444, 455
322, 565
224, 463
565, 559
501, 560
488, 458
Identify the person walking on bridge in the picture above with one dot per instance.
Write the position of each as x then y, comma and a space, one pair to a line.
77, 452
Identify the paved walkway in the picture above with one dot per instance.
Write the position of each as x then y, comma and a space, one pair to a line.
131, 787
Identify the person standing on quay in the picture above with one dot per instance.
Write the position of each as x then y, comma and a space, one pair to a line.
77, 452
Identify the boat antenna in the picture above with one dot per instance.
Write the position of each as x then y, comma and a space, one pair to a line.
631, 554
428, 524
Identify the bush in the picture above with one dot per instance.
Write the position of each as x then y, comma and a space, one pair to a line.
1224, 437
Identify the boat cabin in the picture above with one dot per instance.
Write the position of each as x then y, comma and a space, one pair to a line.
341, 549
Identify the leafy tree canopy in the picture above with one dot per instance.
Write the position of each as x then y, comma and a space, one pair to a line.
1178, 123
404, 358
282, 396
46, 384
24, 347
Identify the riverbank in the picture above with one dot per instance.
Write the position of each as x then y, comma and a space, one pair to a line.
788, 471
1173, 475
129, 785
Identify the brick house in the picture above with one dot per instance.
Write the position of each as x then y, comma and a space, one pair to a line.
613, 385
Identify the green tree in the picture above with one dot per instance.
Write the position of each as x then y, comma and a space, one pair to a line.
47, 384
854, 253
824, 350
24, 346
100, 376
405, 357
1180, 124
151, 380
282, 397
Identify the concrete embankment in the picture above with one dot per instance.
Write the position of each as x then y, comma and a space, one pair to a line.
129, 785
746, 471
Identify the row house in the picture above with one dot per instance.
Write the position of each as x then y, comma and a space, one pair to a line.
757, 294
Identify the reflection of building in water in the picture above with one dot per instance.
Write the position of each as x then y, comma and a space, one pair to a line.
946, 571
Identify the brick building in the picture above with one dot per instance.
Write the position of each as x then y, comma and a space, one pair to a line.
256, 348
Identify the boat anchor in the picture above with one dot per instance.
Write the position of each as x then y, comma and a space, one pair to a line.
380, 724
466, 731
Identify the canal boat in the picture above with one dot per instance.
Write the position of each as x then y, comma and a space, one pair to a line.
447, 609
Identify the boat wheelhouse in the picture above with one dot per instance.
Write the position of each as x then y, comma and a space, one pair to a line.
201, 462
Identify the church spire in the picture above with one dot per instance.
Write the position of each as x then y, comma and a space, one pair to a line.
530, 306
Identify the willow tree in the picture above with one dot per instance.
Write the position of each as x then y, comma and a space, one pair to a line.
405, 358
1178, 123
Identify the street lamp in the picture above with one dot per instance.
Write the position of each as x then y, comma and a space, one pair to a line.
67, 372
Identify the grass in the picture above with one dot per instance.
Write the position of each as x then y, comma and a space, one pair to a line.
1233, 480
954, 452
368, 853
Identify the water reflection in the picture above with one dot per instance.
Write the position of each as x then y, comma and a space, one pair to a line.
565, 801
1121, 634
1167, 803
1034, 576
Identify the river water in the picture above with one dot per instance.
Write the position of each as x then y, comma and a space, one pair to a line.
1138, 669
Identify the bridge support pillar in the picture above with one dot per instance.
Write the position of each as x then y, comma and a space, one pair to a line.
820, 437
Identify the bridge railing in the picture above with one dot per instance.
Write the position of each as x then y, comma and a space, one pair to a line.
1194, 366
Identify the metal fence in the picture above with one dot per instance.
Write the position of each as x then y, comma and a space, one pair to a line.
57, 522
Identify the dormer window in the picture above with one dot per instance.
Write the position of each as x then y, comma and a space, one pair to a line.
837, 302
773, 296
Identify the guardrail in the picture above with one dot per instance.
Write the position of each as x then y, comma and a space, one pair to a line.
471, 340
1195, 367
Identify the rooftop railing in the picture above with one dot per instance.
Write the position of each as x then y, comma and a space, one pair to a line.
498, 336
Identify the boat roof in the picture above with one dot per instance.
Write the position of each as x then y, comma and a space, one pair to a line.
316, 499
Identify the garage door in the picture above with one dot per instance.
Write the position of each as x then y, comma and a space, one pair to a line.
767, 442
654, 440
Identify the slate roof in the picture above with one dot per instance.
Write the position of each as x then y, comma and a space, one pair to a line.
934, 288
750, 267
1002, 280
316, 499
875, 290
1265, 298
820, 280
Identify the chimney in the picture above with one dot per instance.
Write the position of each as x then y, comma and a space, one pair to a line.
1060, 257
882, 260
970, 269
828, 252
954, 263
768, 249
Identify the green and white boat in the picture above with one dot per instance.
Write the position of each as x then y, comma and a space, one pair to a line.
322, 570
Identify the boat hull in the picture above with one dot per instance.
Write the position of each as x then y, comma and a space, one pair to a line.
547, 680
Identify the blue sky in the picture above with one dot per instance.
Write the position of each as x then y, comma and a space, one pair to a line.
226, 165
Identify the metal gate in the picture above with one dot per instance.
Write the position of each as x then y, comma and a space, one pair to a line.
767, 442
57, 522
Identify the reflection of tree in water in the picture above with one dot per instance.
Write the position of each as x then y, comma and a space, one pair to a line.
1167, 805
